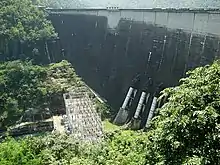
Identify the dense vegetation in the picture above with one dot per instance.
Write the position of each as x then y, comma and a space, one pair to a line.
185, 131
127, 148
21, 20
21, 26
24, 86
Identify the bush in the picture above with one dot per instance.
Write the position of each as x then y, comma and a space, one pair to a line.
24, 86
124, 148
187, 129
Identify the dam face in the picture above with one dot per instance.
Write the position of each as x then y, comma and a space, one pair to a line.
109, 47
132, 4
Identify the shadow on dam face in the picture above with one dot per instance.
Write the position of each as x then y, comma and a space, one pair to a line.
108, 59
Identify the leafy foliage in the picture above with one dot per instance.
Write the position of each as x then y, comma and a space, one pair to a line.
187, 129
103, 109
24, 85
124, 148
20, 20
16, 153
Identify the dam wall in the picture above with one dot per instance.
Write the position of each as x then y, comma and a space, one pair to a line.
109, 47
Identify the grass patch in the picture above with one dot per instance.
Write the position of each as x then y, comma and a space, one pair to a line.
109, 127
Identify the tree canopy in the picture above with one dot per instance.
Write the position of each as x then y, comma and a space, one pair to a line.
187, 129
122, 148
24, 85
21, 20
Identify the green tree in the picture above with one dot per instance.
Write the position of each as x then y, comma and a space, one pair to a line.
187, 129
21, 20
17, 152
21, 25
121, 148
24, 85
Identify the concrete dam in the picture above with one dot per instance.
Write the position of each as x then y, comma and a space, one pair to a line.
110, 47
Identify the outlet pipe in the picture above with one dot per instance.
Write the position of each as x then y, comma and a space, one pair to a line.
153, 105
128, 96
143, 99
152, 109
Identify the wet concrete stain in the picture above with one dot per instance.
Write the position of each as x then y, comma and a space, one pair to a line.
108, 59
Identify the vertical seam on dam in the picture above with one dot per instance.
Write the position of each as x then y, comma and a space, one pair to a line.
190, 42
184, 35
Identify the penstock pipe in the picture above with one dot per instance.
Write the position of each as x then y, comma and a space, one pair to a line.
143, 99
153, 105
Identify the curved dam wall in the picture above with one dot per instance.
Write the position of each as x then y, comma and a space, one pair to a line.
108, 48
